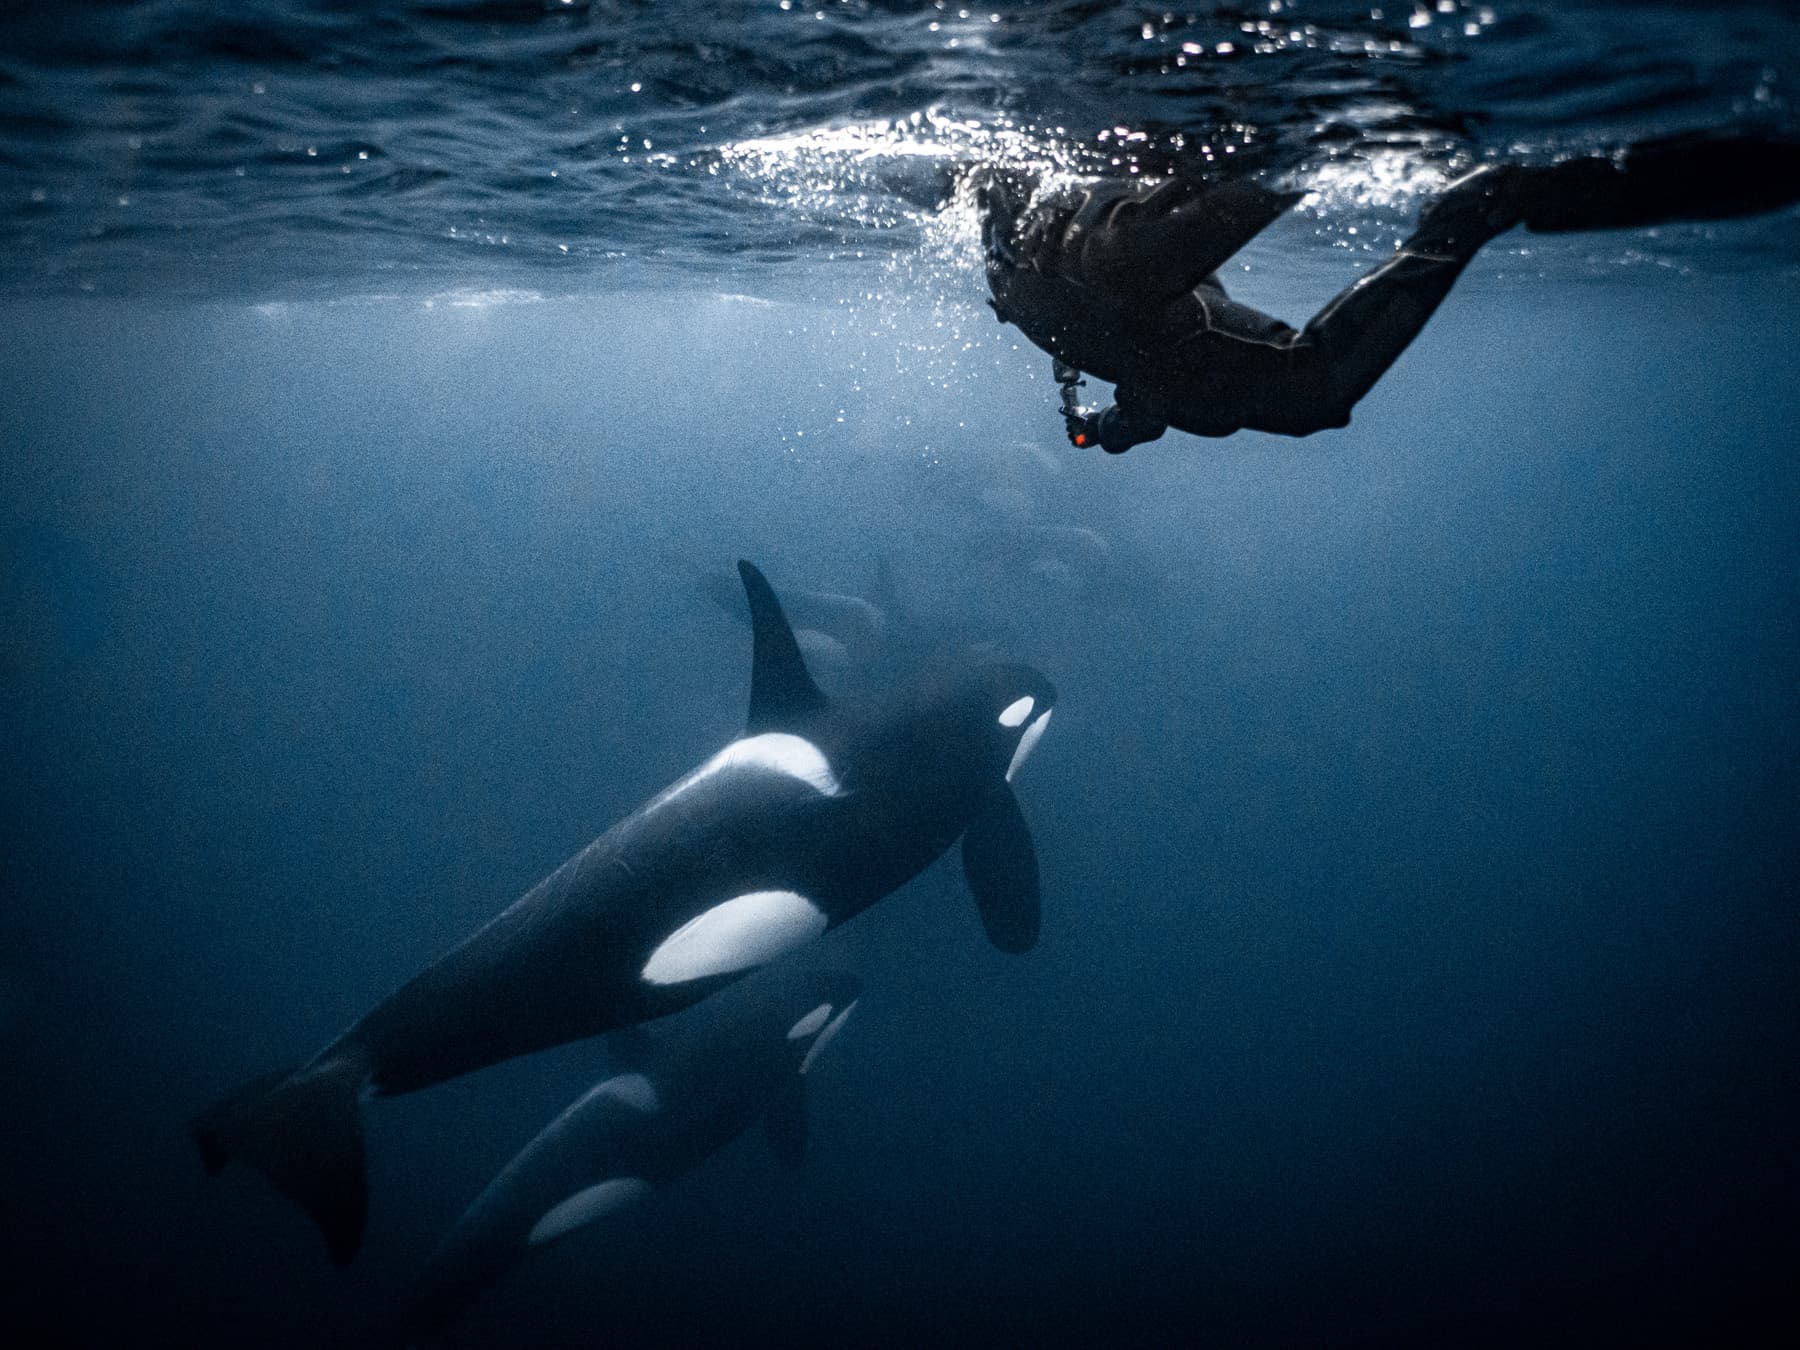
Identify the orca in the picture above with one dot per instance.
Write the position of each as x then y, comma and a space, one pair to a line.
676, 1100
818, 810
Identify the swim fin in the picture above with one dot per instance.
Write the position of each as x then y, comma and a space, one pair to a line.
1692, 176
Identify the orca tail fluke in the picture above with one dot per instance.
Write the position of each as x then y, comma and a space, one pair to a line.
303, 1131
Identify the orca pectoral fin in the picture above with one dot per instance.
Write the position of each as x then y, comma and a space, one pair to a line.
786, 1122
1000, 863
781, 688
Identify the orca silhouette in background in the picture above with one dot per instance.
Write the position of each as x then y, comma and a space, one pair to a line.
818, 810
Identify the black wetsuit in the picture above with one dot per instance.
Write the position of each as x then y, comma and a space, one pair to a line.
1121, 282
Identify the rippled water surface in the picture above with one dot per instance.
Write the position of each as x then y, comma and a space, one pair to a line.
282, 147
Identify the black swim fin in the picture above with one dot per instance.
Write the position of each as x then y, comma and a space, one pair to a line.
304, 1132
1692, 176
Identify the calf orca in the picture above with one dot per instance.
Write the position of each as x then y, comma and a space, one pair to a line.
818, 810
679, 1099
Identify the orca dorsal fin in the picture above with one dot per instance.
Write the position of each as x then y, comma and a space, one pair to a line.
781, 688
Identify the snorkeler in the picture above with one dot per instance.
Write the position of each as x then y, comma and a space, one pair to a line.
1121, 282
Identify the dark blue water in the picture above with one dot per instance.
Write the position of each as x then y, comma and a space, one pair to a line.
1420, 822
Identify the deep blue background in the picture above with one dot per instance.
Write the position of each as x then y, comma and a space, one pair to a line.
1418, 824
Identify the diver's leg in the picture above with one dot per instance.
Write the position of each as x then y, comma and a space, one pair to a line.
1693, 176
1350, 344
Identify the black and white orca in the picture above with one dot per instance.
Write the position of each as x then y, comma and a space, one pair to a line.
680, 1098
818, 810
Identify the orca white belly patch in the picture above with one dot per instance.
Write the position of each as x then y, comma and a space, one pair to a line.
588, 1206
740, 934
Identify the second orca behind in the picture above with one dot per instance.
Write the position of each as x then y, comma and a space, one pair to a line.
679, 1099
818, 810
